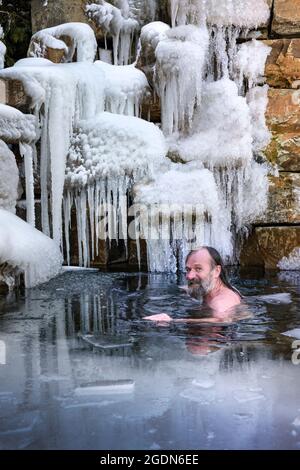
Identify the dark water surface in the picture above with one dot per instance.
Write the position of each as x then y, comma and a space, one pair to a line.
82, 370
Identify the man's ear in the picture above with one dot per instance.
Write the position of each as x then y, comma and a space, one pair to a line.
218, 270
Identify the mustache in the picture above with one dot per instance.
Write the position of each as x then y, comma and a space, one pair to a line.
195, 290
195, 282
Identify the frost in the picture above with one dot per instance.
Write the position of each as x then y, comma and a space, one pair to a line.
257, 99
69, 93
2, 49
242, 13
183, 49
125, 88
154, 32
221, 130
9, 178
83, 42
247, 68
107, 154
182, 202
25, 248
116, 23
15, 126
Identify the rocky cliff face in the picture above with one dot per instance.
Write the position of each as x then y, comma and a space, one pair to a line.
277, 233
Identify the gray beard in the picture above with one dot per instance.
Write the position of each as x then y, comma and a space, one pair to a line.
199, 289
196, 291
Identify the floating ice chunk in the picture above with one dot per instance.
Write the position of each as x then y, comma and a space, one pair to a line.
245, 396
106, 342
31, 251
125, 88
296, 421
78, 268
203, 383
83, 42
295, 333
180, 92
281, 298
103, 387
290, 262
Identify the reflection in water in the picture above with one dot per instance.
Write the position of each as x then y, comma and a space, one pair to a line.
85, 371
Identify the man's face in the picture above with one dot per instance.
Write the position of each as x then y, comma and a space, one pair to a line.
200, 275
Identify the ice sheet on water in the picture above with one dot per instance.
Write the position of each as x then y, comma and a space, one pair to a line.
280, 298
107, 342
295, 333
104, 387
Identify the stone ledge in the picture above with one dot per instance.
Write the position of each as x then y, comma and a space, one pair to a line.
284, 151
283, 110
56, 12
283, 200
268, 245
283, 63
286, 19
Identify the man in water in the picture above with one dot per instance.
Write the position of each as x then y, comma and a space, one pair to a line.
206, 276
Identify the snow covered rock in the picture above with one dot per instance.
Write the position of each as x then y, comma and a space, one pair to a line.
9, 178
25, 248
61, 43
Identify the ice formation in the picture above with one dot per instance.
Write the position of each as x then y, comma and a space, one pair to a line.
108, 153
126, 86
2, 49
15, 126
95, 151
18, 127
257, 99
68, 93
183, 49
181, 203
221, 130
248, 69
240, 13
117, 23
28, 249
83, 42
154, 32
291, 262
9, 178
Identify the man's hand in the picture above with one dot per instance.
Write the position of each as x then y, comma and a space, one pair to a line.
160, 317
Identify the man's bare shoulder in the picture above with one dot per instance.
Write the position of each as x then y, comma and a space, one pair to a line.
225, 300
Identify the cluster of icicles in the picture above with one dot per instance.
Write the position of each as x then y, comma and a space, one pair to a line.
95, 150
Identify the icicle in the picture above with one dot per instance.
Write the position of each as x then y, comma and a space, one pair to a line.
26, 151
91, 210
67, 222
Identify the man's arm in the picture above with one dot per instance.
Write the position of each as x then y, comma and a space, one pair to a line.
165, 318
